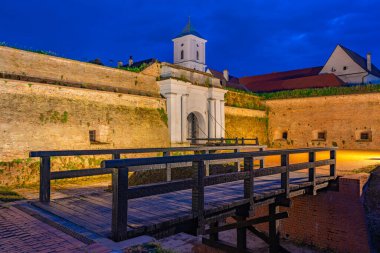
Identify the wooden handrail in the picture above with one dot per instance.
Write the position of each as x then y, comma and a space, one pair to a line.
133, 151
121, 163
225, 140
46, 175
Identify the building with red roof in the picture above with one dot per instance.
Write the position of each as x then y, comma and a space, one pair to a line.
343, 67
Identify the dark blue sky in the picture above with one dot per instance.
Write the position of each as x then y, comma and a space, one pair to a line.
247, 37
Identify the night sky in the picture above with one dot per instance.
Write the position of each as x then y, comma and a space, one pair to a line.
246, 37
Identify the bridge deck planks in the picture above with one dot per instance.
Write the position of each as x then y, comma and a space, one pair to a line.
93, 211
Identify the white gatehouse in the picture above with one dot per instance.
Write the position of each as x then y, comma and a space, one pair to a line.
195, 99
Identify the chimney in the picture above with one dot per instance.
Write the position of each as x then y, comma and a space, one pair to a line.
369, 62
119, 64
130, 62
226, 75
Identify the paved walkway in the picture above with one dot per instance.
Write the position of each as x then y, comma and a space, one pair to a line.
21, 232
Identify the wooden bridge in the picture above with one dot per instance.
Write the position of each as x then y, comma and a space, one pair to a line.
197, 205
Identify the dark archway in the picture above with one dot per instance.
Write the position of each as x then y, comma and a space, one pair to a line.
193, 127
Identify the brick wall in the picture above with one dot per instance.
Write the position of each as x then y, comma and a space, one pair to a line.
332, 220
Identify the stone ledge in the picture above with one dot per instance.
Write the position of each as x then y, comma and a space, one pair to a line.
244, 112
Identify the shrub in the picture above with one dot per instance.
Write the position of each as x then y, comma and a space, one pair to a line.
135, 69
327, 91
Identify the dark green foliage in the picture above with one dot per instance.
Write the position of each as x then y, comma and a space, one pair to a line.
54, 117
241, 91
7, 195
163, 115
43, 52
244, 100
151, 247
317, 92
366, 169
135, 69
46, 52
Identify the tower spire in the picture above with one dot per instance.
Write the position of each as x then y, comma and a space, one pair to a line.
188, 29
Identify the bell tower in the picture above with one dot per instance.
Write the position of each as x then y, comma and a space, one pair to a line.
190, 49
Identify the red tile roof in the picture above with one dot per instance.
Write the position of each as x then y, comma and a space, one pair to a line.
281, 75
233, 82
314, 81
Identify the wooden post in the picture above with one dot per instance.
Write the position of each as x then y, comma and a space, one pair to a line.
241, 234
207, 164
115, 156
312, 173
262, 159
333, 166
168, 168
198, 194
249, 182
214, 236
237, 164
45, 179
236, 141
285, 175
273, 229
119, 204
242, 141
243, 212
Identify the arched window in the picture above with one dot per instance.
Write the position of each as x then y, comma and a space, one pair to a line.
197, 55
181, 54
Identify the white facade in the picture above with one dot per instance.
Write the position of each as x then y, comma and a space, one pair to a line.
194, 98
206, 104
342, 65
190, 52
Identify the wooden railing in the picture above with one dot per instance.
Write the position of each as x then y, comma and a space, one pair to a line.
122, 192
226, 141
45, 162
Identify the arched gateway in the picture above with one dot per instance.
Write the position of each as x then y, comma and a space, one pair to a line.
193, 127
187, 100
196, 127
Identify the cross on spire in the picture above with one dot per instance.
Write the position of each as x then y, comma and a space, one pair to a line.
189, 30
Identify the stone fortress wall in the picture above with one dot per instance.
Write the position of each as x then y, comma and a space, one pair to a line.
47, 117
85, 75
247, 123
344, 120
